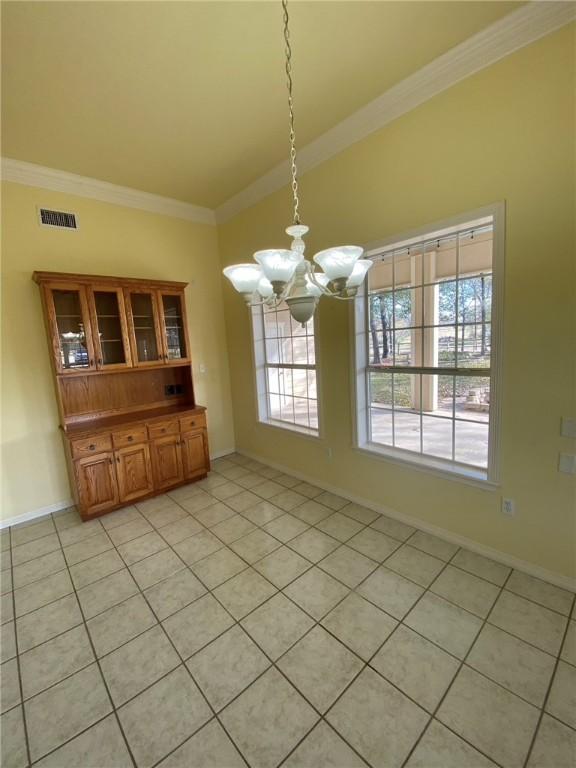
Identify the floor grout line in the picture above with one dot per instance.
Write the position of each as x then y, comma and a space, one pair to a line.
549, 688
104, 682
316, 622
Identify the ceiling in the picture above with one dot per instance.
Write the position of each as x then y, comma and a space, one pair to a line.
187, 99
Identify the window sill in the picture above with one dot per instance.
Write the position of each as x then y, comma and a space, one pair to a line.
459, 473
285, 426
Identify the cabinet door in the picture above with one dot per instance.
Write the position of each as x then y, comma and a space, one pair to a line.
144, 327
69, 322
109, 327
134, 472
96, 480
174, 326
167, 461
195, 450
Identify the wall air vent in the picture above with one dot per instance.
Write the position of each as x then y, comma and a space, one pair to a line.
59, 219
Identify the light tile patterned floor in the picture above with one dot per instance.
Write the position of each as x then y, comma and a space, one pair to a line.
255, 619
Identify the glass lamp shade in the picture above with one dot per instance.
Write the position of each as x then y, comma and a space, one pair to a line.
278, 265
265, 288
312, 289
244, 277
359, 273
338, 262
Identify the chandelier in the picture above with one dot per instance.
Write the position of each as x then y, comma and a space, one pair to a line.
284, 274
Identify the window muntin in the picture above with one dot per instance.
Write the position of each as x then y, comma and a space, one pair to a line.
285, 356
426, 364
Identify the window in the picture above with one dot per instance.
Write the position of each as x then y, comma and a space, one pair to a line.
426, 362
285, 359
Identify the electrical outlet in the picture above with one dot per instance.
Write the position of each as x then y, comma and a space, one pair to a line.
568, 427
329, 453
508, 507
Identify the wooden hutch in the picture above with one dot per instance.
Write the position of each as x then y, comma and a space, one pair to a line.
121, 361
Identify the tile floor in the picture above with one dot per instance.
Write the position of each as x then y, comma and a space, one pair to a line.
252, 619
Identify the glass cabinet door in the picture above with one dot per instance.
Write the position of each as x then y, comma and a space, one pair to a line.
68, 312
109, 327
173, 326
146, 343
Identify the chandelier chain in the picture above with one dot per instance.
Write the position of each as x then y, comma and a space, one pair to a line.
293, 166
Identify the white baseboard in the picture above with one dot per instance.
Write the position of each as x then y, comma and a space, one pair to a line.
33, 514
42, 511
494, 554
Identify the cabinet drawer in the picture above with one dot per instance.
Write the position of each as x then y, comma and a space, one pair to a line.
163, 428
126, 437
88, 446
192, 422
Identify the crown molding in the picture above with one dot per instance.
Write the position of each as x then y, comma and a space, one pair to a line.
33, 175
509, 34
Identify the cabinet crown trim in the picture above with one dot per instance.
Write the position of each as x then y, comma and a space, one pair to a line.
68, 277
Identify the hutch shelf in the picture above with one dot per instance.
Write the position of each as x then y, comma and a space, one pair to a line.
121, 361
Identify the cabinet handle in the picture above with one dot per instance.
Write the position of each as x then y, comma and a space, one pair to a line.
118, 459
92, 447
99, 361
91, 363
110, 460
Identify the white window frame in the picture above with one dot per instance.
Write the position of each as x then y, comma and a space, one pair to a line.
261, 383
360, 360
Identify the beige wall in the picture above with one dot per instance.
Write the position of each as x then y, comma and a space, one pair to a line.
506, 133
111, 240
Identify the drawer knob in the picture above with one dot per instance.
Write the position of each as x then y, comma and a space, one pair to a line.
130, 438
193, 423
92, 447
163, 429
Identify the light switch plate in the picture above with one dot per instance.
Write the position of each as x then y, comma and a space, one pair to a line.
568, 427
567, 463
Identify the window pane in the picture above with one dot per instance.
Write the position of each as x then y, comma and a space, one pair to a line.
275, 411
313, 409
312, 384
300, 350
445, 395
311, 350
474, 299
447, 302
440, 346
300, 382
381, 423
408, 347
301, 411
406, 307
381, 388
473, 398
408, 268
437, 436
273, 380
270, 325
474, 345
406, 390
284, 324
286, 350
471, 446
272, 351
407, 430
380, 276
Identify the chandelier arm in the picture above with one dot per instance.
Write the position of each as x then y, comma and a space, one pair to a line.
293, 167
312, 276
